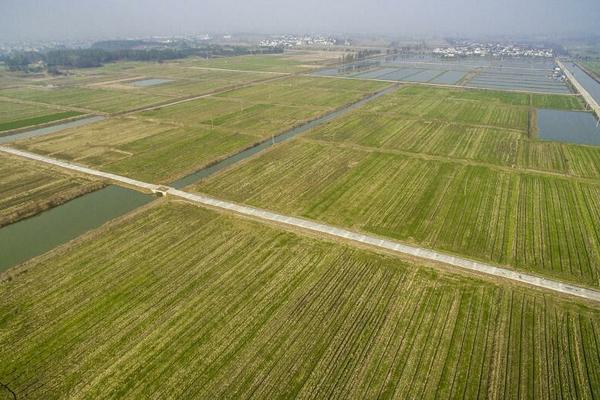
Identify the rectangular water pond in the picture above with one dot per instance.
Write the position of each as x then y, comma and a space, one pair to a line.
425, 75
401, 74
449, 77
375, 74
568, 126
150, 82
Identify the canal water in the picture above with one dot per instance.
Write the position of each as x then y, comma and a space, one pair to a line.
568, 126
213, 169
50, 129
37, 235
589, 83
34, 236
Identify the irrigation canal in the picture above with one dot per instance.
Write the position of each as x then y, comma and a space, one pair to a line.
36, 235
372, 241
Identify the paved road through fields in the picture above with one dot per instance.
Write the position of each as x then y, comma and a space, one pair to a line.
329, 230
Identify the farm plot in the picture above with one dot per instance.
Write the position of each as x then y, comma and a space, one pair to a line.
219, 307
268, 108
306, 92
264, 62
438, 138
186, 83
140, 149
459, 106
93, 99
164, 144
18, 115
116, 75
254, 119
582, 161
534, 223
463, 124
27, 188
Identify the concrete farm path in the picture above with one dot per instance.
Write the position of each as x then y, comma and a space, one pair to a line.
586, 95
328, 230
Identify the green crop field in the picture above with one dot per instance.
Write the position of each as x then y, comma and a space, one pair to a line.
268, 63
28, 188
481, 107
86, 98
17, 115
481, 126
544, 224
183, 81
390, 132
220, 307
267, 108
164, 144
109, 93
139, 149
306, 91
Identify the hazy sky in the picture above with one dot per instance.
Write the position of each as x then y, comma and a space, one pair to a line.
74, 19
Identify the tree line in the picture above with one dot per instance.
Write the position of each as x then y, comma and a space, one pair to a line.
359, 55
53, 60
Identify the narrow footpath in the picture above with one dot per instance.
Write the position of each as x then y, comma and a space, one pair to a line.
372, 241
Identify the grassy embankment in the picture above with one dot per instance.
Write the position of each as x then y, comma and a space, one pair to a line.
28, 188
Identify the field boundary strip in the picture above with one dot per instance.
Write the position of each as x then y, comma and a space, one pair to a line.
373, 241
239, 70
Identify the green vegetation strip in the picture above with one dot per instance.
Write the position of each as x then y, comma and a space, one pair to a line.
218, 307
37, 120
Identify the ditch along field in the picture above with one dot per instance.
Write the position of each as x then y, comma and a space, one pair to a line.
541, 224
593, 67
28, 188
167, 143
17, 115
221, 307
